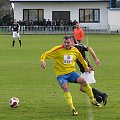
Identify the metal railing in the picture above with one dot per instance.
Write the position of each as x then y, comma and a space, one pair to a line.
38, 29
56, 30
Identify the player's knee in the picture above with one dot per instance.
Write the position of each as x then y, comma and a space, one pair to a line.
65, 87
81, 88
81, 80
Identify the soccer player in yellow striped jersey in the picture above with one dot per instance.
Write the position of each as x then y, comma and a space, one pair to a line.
65, 58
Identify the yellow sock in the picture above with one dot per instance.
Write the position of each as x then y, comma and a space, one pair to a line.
88, 90
69, 101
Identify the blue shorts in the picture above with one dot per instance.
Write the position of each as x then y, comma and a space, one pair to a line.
71, 77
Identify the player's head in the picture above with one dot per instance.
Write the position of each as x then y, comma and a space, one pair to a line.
77, 25
67, 42
15, 20
73, 40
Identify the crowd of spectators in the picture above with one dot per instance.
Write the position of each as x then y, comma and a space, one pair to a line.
46, 23
43, 25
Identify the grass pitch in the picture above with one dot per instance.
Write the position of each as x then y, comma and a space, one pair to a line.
40, 96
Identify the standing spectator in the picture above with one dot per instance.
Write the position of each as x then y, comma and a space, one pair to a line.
48, 24
57, 24
74, 22
15, 33
78, 33
61, 25
53, 24
5, 20
44, 24
66, 25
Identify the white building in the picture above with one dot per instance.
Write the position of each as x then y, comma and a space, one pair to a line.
90, 13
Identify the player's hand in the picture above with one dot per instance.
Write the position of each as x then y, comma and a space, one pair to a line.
88, 70
97, 61
43, 64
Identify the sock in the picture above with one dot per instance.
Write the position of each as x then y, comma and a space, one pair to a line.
97, 92
69, 101
88, 90
13, 43
98, 98
20, 43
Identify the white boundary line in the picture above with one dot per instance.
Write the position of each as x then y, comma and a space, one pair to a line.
90, 110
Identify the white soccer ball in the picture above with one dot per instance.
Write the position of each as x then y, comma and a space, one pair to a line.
14, 102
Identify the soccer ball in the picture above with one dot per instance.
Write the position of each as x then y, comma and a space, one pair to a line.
14, 102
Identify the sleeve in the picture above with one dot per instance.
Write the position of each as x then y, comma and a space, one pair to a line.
12, 27
82, 33
74, 34
85, 48
48, 54
81, 60
18, 26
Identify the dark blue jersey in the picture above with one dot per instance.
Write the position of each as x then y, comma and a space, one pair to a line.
83, 49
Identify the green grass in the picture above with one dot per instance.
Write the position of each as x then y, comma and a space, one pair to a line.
40, 96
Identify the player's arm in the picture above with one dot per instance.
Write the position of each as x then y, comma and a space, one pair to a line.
97, 61
18, 27
12, 27
43, 57
42, 61
82, 34
83, 62
47, 55
75, 34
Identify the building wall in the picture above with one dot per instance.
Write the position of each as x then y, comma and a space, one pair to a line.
114, 19
65, 6
4, 7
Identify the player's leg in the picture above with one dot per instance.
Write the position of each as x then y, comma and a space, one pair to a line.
18, 36
77, 78
13, 42
64, 85
98, 95
89, 77
13, 39
68, 98
88, 90
20, 42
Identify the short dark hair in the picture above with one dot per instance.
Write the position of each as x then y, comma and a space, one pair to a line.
73, 38
66, 37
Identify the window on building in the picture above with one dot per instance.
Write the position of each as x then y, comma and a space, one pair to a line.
89, 15
61, 15
33, 14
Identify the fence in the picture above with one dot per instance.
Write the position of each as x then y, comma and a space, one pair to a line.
56, 30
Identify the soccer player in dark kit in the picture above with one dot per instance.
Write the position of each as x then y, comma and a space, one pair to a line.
89, 77
15, 33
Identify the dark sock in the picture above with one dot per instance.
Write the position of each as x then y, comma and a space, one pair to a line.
97, 92
98, 98
20, 43
13, 43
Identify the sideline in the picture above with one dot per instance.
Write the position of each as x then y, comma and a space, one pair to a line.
90, 110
